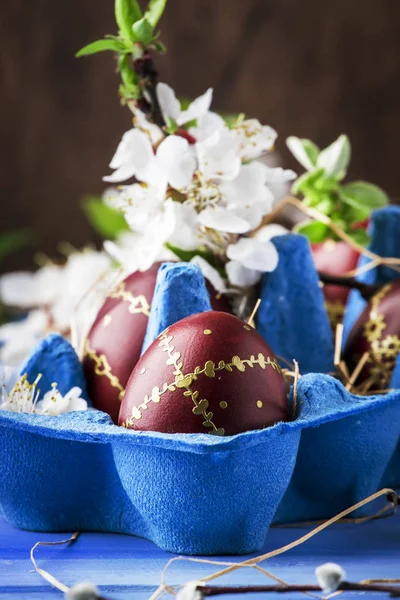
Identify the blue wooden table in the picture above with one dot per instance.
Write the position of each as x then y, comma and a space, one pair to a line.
127, 567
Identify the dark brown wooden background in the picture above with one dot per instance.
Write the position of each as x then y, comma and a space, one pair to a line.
311, 68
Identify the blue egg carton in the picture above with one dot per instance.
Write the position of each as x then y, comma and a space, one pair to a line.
194, 493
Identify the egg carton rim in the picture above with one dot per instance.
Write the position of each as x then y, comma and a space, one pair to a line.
93, 426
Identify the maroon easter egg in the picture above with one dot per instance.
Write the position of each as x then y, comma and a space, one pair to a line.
376, 331
115, 340
335, 258
208, 373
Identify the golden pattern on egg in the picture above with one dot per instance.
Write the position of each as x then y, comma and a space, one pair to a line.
136, 304
384, 350
103, 368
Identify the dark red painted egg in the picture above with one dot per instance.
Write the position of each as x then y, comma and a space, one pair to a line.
115, 340
335, 258
208, 373
376, 331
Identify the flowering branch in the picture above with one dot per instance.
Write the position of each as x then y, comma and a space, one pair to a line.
330, 578
207, 591
137, 38
366, 290
148, 78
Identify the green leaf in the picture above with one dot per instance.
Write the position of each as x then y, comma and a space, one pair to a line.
143, 31
325, 204
104, 219
315, 231
326, 184
190, 124
354, 214
361, 194
307, 180
154, 13
335, 158
127, 12
101, 46
172, 126
187, 255
184, 255
12, 241
360, 236
304, 151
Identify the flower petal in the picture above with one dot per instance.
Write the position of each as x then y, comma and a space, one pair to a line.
153, 132
122, 174
186, 231
222, 219
27, 290
266, 233
210, 273
133, 153
197, 108
240, 276
177, 161
206, 126
253, 254
248, 188
255, 139
277, 180
219, 156
169, 103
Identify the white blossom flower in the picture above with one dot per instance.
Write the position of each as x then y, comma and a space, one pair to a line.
54, 289
153, 132
223, 219
171, 107
218, 156
329, 577
206, 125
248, 195
54, 403
190, 591
133, 157
80, 273
176, 161
24, 398
140, 204
109, 195
26, 290
186, 234
255, 139
240, 276
199, 192
138, 251
18, 338
266, 233
278, 181
249, 259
